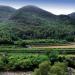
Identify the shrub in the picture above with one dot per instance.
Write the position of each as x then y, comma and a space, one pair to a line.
1, 64
21, 62
53, 56
6, 42
59, 69
46, 69
70, 39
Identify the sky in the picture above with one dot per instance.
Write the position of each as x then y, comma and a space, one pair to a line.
54, 6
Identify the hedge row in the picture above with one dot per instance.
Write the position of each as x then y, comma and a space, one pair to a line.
24, 62
42, 42
38, 51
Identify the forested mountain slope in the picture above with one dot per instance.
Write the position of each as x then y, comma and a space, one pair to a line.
6, 12
32, 22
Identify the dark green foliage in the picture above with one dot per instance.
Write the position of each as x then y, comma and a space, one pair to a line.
31, 22
71, 62
70, 38
37, 23
13, 49
21, 62
6, 12
42, 42
6, 42
44, 69
21, 44
53, 56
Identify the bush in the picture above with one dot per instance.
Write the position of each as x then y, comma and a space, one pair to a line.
21, 43
21, 62
42, 42
1, 64
6, 42
46, 69
59, 69
53, 56
70, 39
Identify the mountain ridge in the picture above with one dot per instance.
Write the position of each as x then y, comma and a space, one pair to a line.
32, 22
6, 12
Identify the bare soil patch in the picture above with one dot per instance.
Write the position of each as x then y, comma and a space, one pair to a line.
71, 45
15, 73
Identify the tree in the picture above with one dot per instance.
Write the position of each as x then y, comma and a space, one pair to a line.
53, 56
59, 69
45, 68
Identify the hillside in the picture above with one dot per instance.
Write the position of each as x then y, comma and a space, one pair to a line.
72, 16
31, 22
32, 15
6, 12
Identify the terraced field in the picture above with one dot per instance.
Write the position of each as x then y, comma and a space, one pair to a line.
72, 45
67, 49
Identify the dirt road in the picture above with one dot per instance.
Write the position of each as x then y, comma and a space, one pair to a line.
15, 73
48, 46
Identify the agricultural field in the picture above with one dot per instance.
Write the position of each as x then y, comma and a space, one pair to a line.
34, 41
26, 55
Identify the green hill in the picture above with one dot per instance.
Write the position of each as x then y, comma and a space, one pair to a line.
6, 12
32, 22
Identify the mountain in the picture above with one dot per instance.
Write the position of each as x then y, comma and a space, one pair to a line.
72, 15
31, 14
33, 10
31, 22
6, 12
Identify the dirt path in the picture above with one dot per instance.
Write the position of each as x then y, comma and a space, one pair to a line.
15, 73
71, 71
72, 45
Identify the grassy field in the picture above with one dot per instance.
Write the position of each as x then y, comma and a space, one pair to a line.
36, 47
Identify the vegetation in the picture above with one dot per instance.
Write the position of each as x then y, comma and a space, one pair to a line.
31, 22
42, 42
35, 50
46, 68
29, 26
21, 62
6, 12
25, 62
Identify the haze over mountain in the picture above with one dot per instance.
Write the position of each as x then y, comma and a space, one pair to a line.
72, 15
35, 14
33, 22
54, 6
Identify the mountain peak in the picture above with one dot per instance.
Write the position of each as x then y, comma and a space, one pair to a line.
72, 15
6, 12
3, 7
31, 6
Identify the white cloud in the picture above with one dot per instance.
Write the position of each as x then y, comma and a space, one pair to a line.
51, 8
58, 11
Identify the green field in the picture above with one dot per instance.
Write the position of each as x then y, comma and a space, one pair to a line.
21, 55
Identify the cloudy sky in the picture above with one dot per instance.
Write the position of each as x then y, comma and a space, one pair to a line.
54, 6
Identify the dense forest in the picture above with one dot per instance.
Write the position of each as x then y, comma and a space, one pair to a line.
31, 22
27, 39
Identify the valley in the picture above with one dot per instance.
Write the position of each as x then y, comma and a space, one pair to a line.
34, 41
